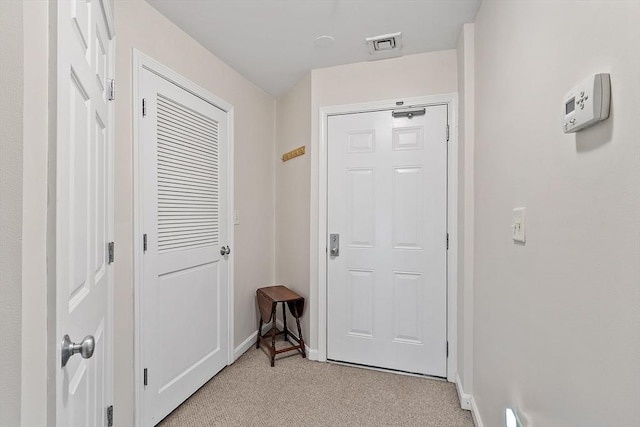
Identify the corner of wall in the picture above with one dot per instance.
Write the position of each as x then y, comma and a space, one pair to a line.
291, 192
274, 158
466, 135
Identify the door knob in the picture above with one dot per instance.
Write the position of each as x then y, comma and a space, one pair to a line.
225, 250
85, 348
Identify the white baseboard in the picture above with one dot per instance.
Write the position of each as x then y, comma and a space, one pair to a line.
245, 345
465, 398
468, 402
475, 413
312, 354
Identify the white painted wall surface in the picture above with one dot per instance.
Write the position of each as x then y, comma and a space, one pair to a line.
11, 154
407, 76
140, 26
557, 321
293, 129
466, 134
410, 76
35, 350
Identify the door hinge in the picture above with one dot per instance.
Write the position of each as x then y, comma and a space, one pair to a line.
447, 348
144, 107
144, 243
145, 377
110, 416
447, 133
447, 241
110, 251
112, 90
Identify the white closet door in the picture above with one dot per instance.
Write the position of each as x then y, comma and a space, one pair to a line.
387, 200
185, 284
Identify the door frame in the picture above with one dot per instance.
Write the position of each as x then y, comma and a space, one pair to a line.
449, 99
141, 61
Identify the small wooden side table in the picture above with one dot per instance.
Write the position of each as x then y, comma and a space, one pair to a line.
268, 299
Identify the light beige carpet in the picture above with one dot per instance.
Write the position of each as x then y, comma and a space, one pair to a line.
300, 392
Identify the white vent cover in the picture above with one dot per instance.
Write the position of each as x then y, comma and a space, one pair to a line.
187, 177
384, 43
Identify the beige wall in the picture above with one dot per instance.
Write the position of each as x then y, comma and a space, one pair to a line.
293, 129
35, 351
140, 26
11, 179
409, 76
556, 321
466, 135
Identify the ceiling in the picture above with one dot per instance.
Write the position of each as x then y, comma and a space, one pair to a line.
272, 42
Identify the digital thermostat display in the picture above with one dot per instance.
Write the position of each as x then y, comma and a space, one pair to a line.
587, 103
570, 106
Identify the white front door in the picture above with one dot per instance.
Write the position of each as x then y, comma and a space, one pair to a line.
184, 143
387, 201
84, 212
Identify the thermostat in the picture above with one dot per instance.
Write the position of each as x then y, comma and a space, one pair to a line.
587, 103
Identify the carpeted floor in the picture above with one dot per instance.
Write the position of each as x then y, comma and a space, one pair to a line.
300, 392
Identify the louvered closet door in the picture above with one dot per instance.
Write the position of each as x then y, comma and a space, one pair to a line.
184, 142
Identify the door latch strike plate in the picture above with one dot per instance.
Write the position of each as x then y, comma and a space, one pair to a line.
111, 252
110, 416
112, 90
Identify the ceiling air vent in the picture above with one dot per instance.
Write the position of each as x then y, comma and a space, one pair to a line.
385, 43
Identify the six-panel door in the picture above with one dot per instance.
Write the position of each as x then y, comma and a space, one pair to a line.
84, 211
387, 187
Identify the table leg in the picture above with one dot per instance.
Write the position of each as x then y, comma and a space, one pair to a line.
274, 330
295, 314
284, 319
259, 332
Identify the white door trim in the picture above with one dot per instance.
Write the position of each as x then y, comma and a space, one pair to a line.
142, 61
451, 100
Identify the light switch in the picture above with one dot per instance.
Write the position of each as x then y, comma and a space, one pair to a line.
518, 225
236, 217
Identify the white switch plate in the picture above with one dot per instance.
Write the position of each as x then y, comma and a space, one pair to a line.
518, 225
236, 217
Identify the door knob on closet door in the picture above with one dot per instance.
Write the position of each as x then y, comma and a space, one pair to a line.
225, 250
